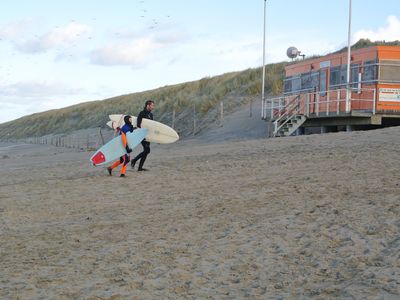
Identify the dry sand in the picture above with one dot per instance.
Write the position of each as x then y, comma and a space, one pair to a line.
289, 218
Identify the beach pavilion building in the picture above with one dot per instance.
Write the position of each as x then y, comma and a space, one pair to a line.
316, 94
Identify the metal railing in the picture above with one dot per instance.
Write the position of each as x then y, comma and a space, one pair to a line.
332, 103
291, 110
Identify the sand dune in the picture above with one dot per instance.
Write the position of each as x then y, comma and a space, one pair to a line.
301, 217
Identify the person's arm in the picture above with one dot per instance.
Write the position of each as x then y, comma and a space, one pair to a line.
139, 120
125, 142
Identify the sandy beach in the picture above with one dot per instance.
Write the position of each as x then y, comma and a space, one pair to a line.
314, 216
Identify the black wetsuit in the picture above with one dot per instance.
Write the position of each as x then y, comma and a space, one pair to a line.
144, 114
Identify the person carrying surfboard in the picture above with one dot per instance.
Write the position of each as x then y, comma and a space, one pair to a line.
124, 160
146, 113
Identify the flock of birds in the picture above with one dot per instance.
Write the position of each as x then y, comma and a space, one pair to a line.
142, 11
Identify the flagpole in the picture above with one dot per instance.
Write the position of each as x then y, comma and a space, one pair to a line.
348, 92
263, 70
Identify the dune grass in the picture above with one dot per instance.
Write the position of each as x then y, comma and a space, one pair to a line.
203, 96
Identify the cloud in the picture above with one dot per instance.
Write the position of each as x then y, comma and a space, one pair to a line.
390, 32
125, 53
25, 92
11, 111
134, 52
61, 37
240, 54
15, 30
23, 98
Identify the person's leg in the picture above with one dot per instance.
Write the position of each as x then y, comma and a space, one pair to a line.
146, 151
139, 156
114, 165
125, 162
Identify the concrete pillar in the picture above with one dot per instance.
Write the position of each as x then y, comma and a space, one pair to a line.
270, 129
324, 129
349, 128
300, 131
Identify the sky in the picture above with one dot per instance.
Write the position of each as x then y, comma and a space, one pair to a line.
55, 54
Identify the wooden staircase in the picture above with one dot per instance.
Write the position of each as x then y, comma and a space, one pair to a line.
290, 126
291, 117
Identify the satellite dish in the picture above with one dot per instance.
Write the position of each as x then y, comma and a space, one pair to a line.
292, 52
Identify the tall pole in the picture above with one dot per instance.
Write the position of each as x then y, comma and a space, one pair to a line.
263, 70
348, 92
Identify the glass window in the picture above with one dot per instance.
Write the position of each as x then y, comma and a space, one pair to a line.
369, 71
296, 84
355, 70
390, 71
287, 85
322, 82
305, 81
343, 74
314, 80
334, 77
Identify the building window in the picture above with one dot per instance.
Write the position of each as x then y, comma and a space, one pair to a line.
370, 71
322, 82
334, 80
355, 70
287, 85
305, 81
292, 84
338, 77
296, 84
389, 71
314, 80
343, 75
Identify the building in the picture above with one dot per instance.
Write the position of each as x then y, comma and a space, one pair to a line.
316, 93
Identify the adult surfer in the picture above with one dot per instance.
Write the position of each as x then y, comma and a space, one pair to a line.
146, 113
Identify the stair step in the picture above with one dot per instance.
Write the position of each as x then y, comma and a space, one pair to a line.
291, 126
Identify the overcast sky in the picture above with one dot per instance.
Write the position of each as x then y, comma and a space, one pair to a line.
55, 54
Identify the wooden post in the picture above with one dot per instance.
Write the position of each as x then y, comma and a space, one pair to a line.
222, 113
173, 118
101, 138
194, 118
270, 130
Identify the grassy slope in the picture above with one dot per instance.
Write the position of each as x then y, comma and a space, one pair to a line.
204, 95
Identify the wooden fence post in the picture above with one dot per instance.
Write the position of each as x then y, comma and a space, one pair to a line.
194, 118
222, 113
173, 118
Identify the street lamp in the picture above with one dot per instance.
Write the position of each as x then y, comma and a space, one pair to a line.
263, 71
348, 93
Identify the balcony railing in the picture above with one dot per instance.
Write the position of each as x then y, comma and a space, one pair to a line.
316, 104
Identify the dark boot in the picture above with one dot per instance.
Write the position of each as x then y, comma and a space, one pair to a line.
141, 162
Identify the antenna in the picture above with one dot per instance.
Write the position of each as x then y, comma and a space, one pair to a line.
292, 53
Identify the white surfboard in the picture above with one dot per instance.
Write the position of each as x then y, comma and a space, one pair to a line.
158, 132
115, 149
